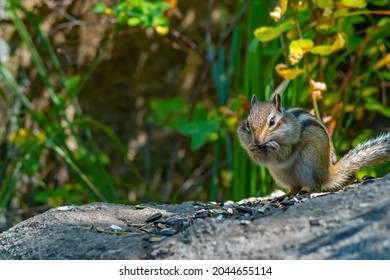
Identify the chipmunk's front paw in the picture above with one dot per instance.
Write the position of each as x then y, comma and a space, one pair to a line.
272, 145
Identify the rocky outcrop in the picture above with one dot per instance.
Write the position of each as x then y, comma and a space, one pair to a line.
354, 224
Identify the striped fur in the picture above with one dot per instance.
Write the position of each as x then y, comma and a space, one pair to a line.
373, 151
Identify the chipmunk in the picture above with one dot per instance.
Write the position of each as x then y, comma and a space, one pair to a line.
297, 149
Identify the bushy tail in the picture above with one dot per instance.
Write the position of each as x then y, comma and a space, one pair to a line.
373, 151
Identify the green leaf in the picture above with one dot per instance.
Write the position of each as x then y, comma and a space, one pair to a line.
268, 33
73, 86
200, 132
322, 50
354, 3
133, 21
323, 4
99, 8
375, 105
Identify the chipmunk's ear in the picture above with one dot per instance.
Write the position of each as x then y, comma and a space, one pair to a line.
277, 101
254, 100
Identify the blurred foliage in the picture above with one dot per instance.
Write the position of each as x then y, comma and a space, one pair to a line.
139, 13
334, 54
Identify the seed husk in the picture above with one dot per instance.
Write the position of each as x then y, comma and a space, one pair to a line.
99, 229
87, 226
166, 232
139, 207
287, 203
153, 218
156, 238
319, 194
244, 209
203, 213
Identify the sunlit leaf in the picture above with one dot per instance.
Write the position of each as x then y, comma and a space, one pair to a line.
162, 30
322, 50
99, 8
373, 104
286, 73
268, 33
323, 4
354, 3
283, 6
133, 21
382, 62
338, 44
300, 46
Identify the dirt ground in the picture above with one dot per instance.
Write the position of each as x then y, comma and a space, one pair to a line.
354, 224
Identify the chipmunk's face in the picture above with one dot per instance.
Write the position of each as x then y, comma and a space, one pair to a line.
261, 133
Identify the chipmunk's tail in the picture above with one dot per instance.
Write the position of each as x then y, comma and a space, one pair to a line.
373, 151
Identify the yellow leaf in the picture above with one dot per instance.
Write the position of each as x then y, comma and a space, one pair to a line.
322, 50
268, 33
162, 30
283, 6
300, 46
382, 62
288, 74
354, 3
339, 43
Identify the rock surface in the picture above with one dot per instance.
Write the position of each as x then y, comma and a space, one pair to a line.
354, 224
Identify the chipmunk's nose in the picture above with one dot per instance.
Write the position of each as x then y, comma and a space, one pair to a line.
257, 141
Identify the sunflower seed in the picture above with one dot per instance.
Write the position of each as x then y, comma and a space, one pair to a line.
166, 232
87, 226
153, 218
156, 238
99, 229
244, 209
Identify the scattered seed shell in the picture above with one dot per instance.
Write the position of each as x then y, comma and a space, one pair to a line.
161, 226
87, 226
287, 203
139, 207
99, 229
156, 238
220, 217
153, 218
319, 194
115, 227
244, 209
166, 232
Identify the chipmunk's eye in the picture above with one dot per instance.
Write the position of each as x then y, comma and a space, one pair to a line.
271, 121
247, 127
